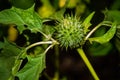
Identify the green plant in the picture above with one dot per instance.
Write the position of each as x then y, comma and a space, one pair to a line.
69, 32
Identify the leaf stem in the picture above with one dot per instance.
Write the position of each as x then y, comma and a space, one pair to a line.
105, 23
39, 43
92, 31
88, 64
46, 36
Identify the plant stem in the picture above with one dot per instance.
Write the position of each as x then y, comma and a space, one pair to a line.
92, 31
39, 43
105, 23
88, 64
56, 74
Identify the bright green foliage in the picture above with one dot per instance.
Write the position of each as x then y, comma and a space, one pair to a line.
87, 23
33, 68
21, 17
106, 37
7, 58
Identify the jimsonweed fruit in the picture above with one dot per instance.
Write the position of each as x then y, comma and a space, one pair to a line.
70, 32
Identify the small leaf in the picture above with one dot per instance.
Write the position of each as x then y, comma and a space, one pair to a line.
106, 37
87, 23
33, 68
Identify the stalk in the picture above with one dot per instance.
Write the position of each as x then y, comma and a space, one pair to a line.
88, 64
56, 74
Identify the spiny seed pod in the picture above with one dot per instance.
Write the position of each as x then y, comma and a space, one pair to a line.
70, 32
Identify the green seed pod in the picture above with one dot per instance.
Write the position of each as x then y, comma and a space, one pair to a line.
70, 32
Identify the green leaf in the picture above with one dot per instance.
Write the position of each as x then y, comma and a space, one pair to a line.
21, 17
97, 49
6, 64
30, 17
9, 16
7, 57
106, 37
87, 23
10, 49
33, 68
100, 49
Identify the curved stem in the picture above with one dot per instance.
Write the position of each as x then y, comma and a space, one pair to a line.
56, 74
88, 64
92, 31
39, 43
48, 48
46, 36
105, 23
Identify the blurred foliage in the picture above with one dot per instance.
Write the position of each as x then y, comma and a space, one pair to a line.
112, 15
115, 5
23, 4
